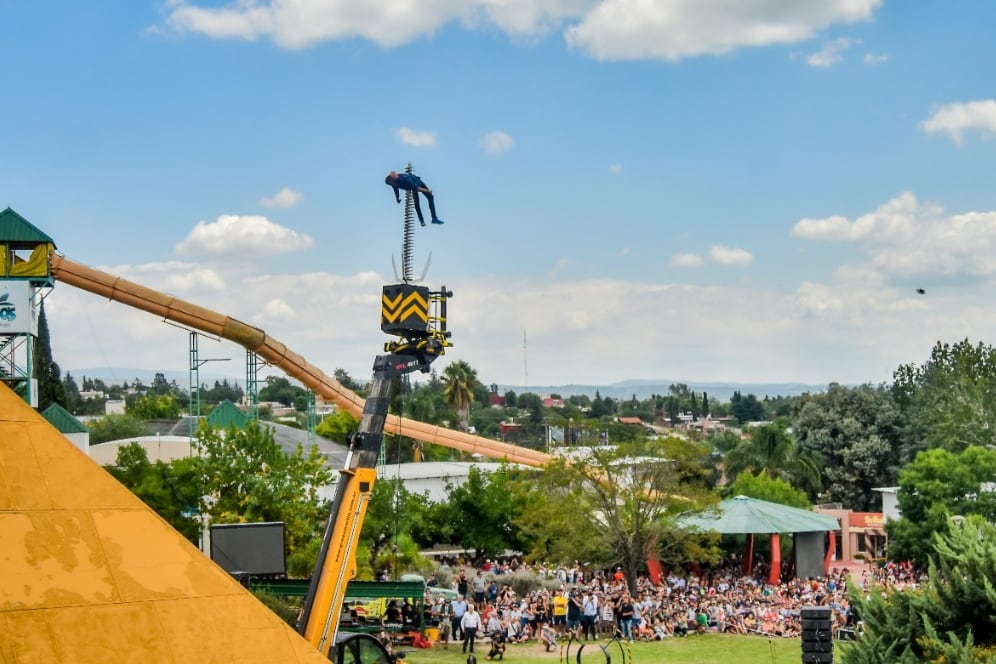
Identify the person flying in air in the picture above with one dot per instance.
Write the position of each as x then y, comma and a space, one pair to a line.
414, 184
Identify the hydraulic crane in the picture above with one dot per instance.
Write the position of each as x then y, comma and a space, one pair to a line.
415, 315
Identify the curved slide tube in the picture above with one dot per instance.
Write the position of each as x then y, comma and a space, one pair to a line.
272, 351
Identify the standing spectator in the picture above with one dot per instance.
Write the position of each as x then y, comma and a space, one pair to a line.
626, 616
462, 584
480, 588
608, 620
469, 625
560, 601
574, 614
458, 608
589, 614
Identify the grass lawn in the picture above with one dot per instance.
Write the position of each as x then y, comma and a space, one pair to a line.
697, 649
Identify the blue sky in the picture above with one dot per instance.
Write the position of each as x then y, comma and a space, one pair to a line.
694, 190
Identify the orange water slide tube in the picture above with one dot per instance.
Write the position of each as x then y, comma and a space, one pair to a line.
274, 352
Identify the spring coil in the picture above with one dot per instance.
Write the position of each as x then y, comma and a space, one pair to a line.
409, 233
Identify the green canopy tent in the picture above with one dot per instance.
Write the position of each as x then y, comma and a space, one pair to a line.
748, 516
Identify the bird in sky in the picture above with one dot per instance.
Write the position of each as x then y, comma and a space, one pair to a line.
921, 291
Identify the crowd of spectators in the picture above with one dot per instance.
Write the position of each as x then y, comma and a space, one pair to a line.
601, 604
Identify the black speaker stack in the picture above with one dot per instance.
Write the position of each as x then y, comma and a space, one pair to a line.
817, 635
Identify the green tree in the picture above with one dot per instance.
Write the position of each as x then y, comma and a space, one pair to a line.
248, 478
223, 391
771, 489
460, 380
746, 408
395, 518
608, 511
279, 390
938, 484
115, 427
350, 383
949, 399
50, 387
72, 392
950, 618
771, 448
155, 407
483, 512
855, 434
337, 426
172, 489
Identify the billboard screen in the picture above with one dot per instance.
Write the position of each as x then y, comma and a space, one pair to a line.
256, 549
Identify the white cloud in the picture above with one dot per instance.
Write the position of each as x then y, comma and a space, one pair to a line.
686, 260
891, 220
676, 29
730, 256
497, 142
418, 139
831, 54
298, 24
854, 328
955, 119
608, 30
875, 59
235, 235
906, 238
284, 198
615, 169
275, 310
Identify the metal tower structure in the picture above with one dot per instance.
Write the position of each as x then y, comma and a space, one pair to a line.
25, 278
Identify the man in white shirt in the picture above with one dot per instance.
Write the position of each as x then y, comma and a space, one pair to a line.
469, 625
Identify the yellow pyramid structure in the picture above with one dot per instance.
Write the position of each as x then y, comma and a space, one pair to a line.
89, 574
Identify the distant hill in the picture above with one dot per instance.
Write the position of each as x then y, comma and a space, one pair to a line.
643, 389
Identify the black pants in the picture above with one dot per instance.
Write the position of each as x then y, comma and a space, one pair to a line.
418, 208
588, 626
469, 635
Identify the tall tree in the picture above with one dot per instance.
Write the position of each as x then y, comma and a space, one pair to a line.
772, 449
746, 408
855, 433
949, 399
50, 387
483, 512
247, 477
607, 511
935, 486
72, 392
460, 381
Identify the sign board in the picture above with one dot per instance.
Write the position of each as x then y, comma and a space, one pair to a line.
18, 314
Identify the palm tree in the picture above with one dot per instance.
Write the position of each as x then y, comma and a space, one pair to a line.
771, 448
460, 381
